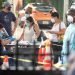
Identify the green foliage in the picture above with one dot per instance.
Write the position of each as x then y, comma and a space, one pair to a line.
30, 1
1, 3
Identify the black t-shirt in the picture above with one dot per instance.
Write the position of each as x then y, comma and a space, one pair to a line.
6, 19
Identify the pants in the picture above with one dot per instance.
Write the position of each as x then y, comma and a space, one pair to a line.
56, 50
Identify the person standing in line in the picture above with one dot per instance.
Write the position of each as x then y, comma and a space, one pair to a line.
3, 41
69, 38
7, 17
28, 12
57, 30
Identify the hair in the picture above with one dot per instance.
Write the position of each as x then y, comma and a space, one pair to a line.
28, 10
72, 13
55, 14
1, 26
30, 19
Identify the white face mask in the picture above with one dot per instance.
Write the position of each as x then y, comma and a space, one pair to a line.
52, 20
70, 19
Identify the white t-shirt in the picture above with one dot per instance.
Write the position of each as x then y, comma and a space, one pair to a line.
55, 28
28, 34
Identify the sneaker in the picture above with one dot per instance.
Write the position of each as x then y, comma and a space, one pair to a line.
57, 65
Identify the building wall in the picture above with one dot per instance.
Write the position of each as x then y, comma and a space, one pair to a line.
66, 7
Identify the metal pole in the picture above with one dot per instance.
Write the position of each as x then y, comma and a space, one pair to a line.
17, 53
66, 6
34, 56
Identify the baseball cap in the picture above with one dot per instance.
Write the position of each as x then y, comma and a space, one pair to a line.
6, 4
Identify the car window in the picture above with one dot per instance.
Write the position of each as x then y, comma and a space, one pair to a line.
39, 4
44, 8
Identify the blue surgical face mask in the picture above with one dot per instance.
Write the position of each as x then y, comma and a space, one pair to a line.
27, 15
28, 24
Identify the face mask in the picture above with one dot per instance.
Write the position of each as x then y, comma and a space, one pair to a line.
52, 20
69, 18
9, 8
27, 24
27, 15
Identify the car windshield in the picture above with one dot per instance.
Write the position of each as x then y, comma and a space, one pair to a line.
43, 7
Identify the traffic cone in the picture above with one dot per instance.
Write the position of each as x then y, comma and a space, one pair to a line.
41, 54
5, 64
47, 59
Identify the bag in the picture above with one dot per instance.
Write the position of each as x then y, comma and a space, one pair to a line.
60, 37
41, 35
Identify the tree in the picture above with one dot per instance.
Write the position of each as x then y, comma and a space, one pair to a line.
30, 1
1, 3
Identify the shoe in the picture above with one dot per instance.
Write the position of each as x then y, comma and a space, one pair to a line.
57, 65
60, 66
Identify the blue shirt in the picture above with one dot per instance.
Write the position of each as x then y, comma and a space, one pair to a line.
69, 36
6, 19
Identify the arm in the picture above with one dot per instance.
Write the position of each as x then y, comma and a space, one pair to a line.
61, 31
15, 23
15, 26
22, 21
58, 33
4, 42
37, 30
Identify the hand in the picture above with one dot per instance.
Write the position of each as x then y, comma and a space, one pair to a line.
5, 41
